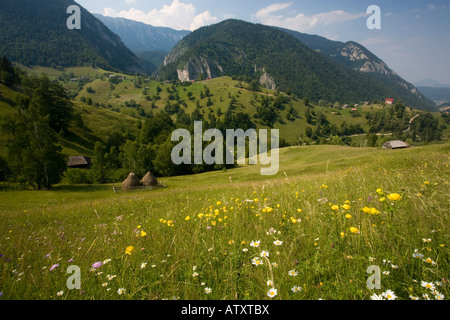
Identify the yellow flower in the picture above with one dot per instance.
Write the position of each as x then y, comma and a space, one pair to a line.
200, 215
366, 210
129, 250
379, 191
348, 216
346, 206
382, 199
354, 230
187, 218
143, 233
218, 203
335, 208
394, 197
342, 234
299, 210
374, 211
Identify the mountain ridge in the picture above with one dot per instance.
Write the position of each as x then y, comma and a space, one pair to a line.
34, 32
139, 36
235, 48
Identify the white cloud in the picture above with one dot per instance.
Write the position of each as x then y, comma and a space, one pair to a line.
302, 22
272, 8
130, 1
177, 15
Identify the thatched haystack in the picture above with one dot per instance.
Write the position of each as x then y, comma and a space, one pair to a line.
131, 182
149, 180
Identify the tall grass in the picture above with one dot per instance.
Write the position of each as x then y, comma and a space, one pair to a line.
187, 239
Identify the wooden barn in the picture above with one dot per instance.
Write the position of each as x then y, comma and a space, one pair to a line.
396, 144
80, 162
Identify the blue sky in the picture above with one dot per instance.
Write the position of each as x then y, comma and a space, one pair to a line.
414, 39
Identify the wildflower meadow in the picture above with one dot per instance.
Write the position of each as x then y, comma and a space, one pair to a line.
312, 232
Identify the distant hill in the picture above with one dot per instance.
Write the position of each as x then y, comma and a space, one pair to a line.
278, 60
356, 57
438, 95
431, 83
34, 32
139, 36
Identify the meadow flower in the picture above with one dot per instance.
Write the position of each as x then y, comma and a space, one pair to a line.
426, 240
293, 273
278, 242
245, 250
389, 294
97, 265
274, 264
106, 261
366, 210
414, 298
296, 289
143, 265
428, 260
377, 297
272, 293
195, 274
256, 261
354, 230
60, 293
255, 244
54, 267
143, 233
335, 208
121, 291
438, 295
269, 283
386, 273
345, 206
208, 290
428, 285
348, 216
105, 284
264, 254
129, 250
394, 197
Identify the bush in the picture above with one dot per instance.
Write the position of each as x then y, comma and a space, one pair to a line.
78, 176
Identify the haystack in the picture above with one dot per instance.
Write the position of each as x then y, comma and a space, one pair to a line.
149, 180
131, 182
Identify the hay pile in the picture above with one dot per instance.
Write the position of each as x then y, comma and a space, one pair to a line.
149, 180
131, 182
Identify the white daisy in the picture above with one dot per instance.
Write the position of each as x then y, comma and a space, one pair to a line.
272, 293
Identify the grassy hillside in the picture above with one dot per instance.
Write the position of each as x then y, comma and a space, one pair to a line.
123, 103
333, 216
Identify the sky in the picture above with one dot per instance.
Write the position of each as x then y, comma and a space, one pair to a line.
414, 39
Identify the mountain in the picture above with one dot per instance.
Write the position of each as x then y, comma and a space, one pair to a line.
355, 56
431, 83
438, 95
34, 32
278, 60
139, 36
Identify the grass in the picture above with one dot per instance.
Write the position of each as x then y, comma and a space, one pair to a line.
197, 233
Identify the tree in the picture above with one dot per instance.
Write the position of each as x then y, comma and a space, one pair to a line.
50, 100
33, 155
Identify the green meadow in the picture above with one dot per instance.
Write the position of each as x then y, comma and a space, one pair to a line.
310, 232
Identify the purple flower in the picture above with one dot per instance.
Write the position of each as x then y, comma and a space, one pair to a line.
54, 266
47, 255
70, 260
97, 265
